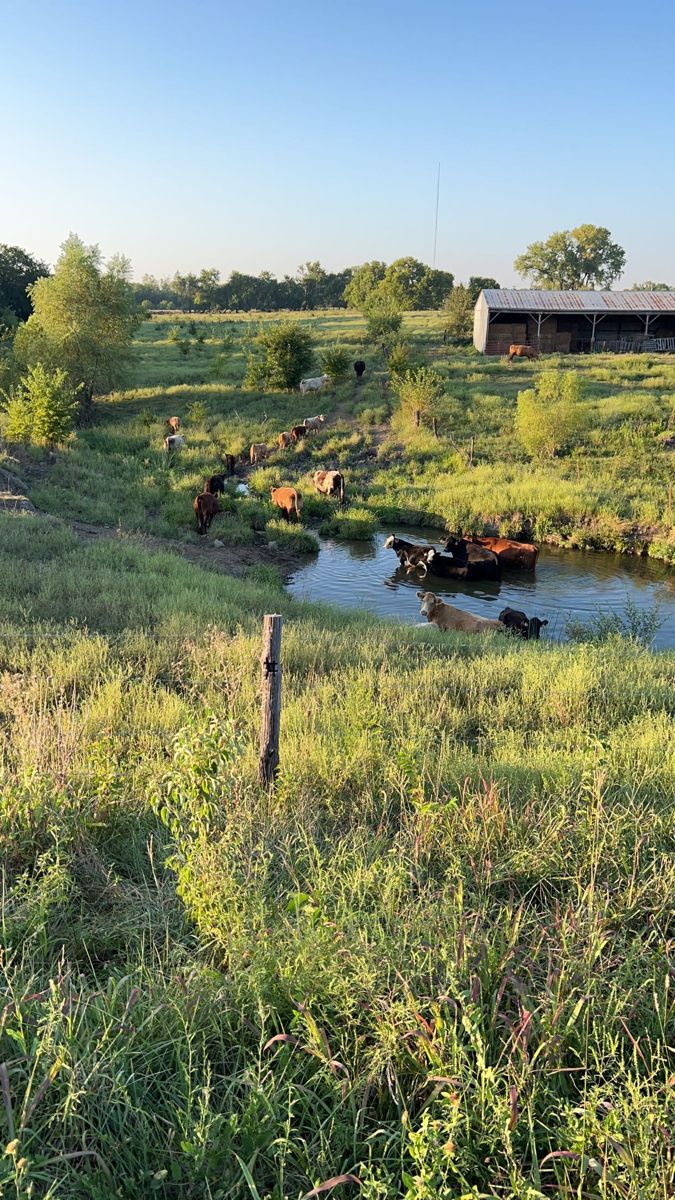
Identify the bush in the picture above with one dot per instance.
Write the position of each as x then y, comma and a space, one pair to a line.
43, 409
549, 415
354, 524
458, 308
383, 320
286, 356
291, 537
335, 362
637, 625
398, 361
420, 392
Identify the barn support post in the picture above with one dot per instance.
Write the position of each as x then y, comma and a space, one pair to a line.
270, 722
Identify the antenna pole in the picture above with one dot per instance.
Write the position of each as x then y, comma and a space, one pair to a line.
438, 191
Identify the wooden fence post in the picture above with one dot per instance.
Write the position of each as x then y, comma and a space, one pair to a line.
418, 416
270, 661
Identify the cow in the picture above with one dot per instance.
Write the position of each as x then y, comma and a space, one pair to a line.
517, 351
288, 500
215, 485
522, 556
483, 563
448, 567
410, 555
359, 367
313, 423
206, 507
230, 463
174, 441
312, 385
521, 625
298, 432
284, 441
173, 424
446, 616
330, 483
258, 452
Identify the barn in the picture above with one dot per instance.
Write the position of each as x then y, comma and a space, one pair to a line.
574, 322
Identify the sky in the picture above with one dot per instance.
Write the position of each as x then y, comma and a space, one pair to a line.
260, 135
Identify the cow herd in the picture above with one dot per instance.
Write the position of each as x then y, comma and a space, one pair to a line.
287, 499
469, 558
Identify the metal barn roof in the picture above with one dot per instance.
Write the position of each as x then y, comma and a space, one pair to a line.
523, 299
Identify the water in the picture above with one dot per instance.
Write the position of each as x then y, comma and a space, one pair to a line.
566, 583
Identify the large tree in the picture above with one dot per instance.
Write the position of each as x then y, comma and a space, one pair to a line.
650, 286
18, 271
581, 258
479, 283
364, 280
84, 318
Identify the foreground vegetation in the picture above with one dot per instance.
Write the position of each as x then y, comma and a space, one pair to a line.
437, 958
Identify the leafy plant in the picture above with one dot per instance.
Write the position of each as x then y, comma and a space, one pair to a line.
43, 408
335, 362
548, 415
285, 355
419, 393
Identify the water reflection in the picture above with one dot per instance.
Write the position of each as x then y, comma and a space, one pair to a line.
565, 584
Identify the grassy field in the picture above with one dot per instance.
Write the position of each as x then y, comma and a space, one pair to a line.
438, 959
612, 491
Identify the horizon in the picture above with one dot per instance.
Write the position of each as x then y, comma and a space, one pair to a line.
249, 145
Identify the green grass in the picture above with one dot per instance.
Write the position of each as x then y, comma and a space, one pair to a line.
439, 955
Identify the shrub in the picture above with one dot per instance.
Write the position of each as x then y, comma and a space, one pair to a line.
637, 625
549, 415
196, 411
292, 537
420, 392
43, 409
458, 309
354, 524
383, 320
335, 362
285, 355
398, 361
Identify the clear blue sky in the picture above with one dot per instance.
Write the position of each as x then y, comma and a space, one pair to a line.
262, 134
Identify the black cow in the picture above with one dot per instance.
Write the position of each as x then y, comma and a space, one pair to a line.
410, 555
484, 563
359, 367
215, 485
521, 625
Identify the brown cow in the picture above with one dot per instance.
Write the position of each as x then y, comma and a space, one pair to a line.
206, 507
330, 483
521, 555
284, 440
174, 424
288, 500
230, 463
298, 432
258, 452
446, 616
522, 352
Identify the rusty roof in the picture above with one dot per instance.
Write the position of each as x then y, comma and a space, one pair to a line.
526, 300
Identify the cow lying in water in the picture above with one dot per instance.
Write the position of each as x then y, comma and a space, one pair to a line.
484, 563
521, 625
521, 556
446, 616
410, 555
330, 483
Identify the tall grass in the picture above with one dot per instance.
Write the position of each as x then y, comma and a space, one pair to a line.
437, 958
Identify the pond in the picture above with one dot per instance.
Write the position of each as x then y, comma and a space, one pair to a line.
566, 584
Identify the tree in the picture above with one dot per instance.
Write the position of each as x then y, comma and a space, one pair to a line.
384, 318
458, 309
287, 354
479, 283
335, 362
364, 280
650, 286
42, 409
18, 271
549, 415
419, 393
584, 257
84, 318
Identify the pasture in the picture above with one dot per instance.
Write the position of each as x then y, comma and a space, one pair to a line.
437, 960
